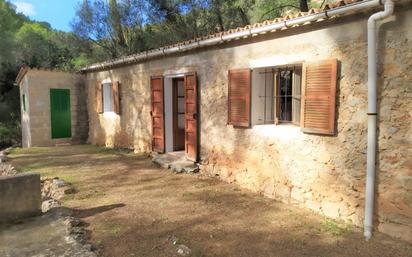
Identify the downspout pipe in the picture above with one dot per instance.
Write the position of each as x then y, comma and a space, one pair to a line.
372, 115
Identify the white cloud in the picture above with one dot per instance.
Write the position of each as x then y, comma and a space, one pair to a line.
25, 8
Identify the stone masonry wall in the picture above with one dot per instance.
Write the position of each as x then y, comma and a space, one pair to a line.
39, 84
322, 173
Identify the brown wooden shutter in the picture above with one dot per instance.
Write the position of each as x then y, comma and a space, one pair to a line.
116, 97
157, 113
239, 98
191, 117
99, 98
319, 97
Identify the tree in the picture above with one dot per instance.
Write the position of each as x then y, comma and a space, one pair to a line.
105, 29
114, 26
34, 44
303, 5
9, 24
35, 47
120, 27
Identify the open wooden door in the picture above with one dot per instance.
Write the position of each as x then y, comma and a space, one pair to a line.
158, 114
191, 120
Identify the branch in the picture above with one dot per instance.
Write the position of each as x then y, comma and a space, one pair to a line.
277, 8
100, 44
243, 16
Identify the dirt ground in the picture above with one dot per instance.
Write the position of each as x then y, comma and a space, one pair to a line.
134, 208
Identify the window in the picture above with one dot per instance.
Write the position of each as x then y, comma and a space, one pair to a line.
276, 95
304, 95
24, 102
107, 97
288, 88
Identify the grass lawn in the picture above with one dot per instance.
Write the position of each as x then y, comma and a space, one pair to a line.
134, 208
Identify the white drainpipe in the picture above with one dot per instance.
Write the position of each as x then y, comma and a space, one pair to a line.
372, 113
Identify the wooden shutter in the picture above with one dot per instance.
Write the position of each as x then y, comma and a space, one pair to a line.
99, 98
116, 97
157, 113
319, 97
239, 98
191, 117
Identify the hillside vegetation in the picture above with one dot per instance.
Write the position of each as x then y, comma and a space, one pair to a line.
105, 29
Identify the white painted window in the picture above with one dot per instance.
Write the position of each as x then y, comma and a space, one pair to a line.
107, 97
263, 98
276, 95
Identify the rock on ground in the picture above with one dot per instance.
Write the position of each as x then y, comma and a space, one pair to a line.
55, 188
49, 204
7, 169
183, 250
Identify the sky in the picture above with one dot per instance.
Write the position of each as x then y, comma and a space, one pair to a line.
59, 13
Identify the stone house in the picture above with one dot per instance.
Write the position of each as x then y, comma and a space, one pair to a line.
53, 107
278, 107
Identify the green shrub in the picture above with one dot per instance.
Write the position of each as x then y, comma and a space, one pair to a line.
333, 228
10, 133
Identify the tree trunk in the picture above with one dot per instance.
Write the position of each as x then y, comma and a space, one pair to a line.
116, 24
216, 10
303, 5
244, 17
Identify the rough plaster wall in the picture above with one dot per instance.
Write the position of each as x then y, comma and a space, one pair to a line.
39, 84
25, 115
325, 174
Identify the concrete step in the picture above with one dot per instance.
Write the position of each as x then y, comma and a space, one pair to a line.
63, 142
176, 161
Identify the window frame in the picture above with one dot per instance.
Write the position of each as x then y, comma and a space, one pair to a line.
24, 102
319, 81
292, 69
107, 86
275, 71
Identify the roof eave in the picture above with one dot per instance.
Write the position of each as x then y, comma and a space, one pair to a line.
22, 72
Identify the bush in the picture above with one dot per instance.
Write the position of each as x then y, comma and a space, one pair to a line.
10, 133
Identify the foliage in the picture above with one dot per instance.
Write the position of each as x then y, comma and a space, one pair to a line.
10, 133
332, 227
35, 44
114, 26
125, 27
105, 29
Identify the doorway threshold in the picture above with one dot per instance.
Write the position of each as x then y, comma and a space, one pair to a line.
176, 161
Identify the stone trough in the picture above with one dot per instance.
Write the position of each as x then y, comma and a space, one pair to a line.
19, 196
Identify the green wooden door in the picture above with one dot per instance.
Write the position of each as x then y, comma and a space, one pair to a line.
60, 113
